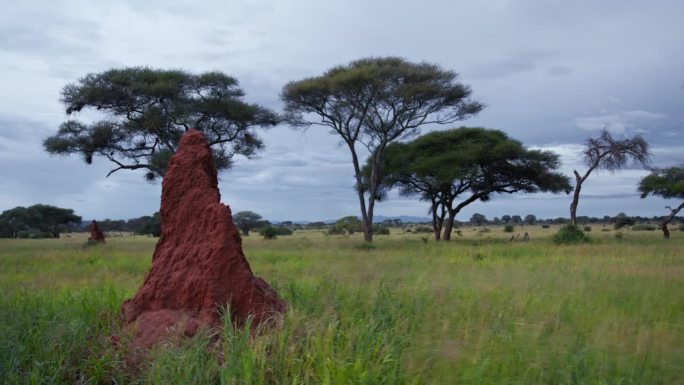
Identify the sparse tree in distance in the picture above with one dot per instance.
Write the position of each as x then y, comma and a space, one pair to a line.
517, 219
478, 219
669, 184
611, 154
373, 102
454, 168
506, 218
530, 219
248, 220
148, 110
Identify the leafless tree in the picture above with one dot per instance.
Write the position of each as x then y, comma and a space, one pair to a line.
610, 154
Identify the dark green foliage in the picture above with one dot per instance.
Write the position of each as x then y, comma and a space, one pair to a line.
587, 228
509, 228
148, 110
335, 231
622, 220
644, 227
153, 226
478, 219
454, 168
374, 102
268, 232
381, 230
545, 226
422, 229
350, 224
271, 232
667, 183
530, 219
248, 220
37, 221
570, 234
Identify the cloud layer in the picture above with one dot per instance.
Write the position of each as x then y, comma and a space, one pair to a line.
550, 73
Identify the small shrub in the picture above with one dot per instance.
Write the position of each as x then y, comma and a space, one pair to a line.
422, 229
587, 228
545, 226
681, 227
336, 231
644, 227
484, 230
618, 235
509, 228
570, 234
269, 232
605, 230
381, 230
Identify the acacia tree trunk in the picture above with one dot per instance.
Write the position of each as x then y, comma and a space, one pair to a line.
668, 219
449, 225
437, 218
575, 198
365, 217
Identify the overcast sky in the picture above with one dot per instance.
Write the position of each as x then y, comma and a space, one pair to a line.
551, 73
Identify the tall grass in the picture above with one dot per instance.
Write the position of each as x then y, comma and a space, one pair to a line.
480, 310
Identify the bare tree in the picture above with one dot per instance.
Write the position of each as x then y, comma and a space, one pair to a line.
610, 154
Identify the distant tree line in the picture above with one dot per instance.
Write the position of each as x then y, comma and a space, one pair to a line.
37, 221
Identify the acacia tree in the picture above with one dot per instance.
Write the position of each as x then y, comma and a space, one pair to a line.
248, 220
611, 154
148, 110
452, 169
669, 184
373, 102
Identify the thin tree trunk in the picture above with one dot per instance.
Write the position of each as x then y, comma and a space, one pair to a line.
575, 198
668, 219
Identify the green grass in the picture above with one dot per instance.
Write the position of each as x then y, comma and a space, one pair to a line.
478, 310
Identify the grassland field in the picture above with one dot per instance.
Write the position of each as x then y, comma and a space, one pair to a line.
476, 310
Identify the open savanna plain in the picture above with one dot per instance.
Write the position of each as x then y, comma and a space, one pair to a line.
404, 310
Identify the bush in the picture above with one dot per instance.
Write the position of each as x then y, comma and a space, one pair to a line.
618, 235
381, 230
269, 232
41, 235
509, 228
483, 230
570, 234
587, 228
545, 226
644, 227
422, 229
333, 230
681, 227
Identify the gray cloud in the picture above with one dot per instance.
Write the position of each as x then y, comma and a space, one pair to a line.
550, 74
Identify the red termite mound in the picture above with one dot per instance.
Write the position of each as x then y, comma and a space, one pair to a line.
198, 264
95, 234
